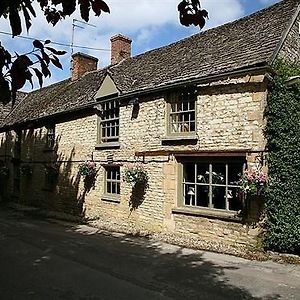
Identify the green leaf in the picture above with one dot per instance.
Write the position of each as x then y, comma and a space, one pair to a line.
38, 44
39, 75
56, 52
56, 62
15, 21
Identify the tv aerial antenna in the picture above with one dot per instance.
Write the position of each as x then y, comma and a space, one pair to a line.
75, 25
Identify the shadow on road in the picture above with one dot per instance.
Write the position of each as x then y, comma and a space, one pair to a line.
177, 272
45, 260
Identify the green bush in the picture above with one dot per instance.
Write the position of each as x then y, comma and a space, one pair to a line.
283, 144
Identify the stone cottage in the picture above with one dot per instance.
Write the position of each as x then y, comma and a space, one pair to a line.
191, 113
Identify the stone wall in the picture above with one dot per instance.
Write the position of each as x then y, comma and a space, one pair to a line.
229, 118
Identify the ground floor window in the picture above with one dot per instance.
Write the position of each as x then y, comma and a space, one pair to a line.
112, 180
212, 183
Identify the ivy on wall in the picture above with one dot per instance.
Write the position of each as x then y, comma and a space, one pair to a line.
283, 143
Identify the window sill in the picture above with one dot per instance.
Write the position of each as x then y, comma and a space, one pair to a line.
208, 213
111, 199
108, 145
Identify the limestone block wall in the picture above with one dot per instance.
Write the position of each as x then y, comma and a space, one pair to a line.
229, 117
148, 216
145, 131
5, 145
74, 144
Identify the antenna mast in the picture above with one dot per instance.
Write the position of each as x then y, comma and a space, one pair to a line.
75, 25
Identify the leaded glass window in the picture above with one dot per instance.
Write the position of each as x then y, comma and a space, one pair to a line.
182, 112
109, 121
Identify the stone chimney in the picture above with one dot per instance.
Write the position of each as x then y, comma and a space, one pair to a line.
120, 48
82, 63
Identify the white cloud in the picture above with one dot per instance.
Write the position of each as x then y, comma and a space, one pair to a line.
133, 15
221, 12
150, 23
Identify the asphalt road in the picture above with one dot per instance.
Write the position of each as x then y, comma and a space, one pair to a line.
43, 259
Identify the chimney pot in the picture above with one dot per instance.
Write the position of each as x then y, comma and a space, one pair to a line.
81, 64
120, 48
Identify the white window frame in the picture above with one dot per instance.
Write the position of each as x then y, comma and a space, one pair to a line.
109, 180
186, 187
182, 112
109, 121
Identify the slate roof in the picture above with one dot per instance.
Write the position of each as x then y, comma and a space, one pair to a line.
250, 41
60, 97
5, 109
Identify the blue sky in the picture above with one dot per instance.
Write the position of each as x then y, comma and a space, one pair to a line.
149, 23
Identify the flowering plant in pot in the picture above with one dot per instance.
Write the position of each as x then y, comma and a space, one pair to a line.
137, 176
88, 168
135, 173
254, 182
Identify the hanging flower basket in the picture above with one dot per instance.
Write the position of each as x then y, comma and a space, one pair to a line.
135, 173
88, 168
88, 171
253, 182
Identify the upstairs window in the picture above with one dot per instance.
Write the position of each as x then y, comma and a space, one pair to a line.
212, 184
109, 121
50, 137
182, 112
